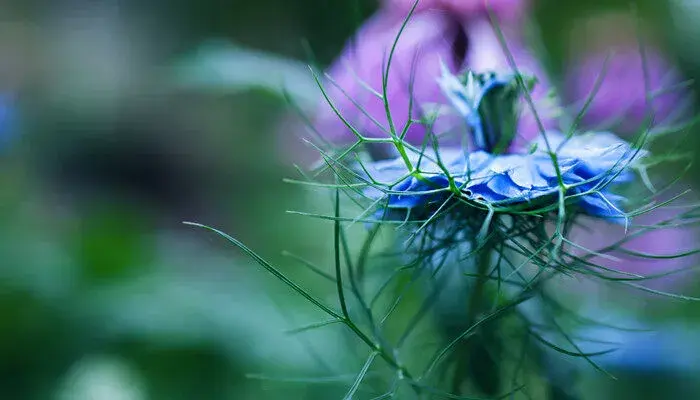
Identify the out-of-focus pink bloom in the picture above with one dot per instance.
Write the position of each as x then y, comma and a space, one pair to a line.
506, 9
608, 51
621, 98
429, 39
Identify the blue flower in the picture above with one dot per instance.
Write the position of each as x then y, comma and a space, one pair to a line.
669, 348
6, 118
409, 192
488, 103
587, 165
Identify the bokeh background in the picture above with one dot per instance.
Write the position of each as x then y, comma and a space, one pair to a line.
119, 119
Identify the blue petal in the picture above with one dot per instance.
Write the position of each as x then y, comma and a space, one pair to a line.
598, 153
524, 171
413, 198
546, 168
504, 186
600, 205
482, 192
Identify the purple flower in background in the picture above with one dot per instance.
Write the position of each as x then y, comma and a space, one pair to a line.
608, 51
431, 38
621, 99
428, 39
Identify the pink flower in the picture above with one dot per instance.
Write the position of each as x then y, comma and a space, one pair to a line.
429, 38
622, 94
506, 9
621, 101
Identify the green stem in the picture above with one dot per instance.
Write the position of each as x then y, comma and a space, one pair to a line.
483, 264
404, 155
474, 309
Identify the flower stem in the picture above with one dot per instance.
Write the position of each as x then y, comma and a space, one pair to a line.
483, 262
475, 306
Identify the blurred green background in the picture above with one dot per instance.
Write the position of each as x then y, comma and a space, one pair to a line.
119, 131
